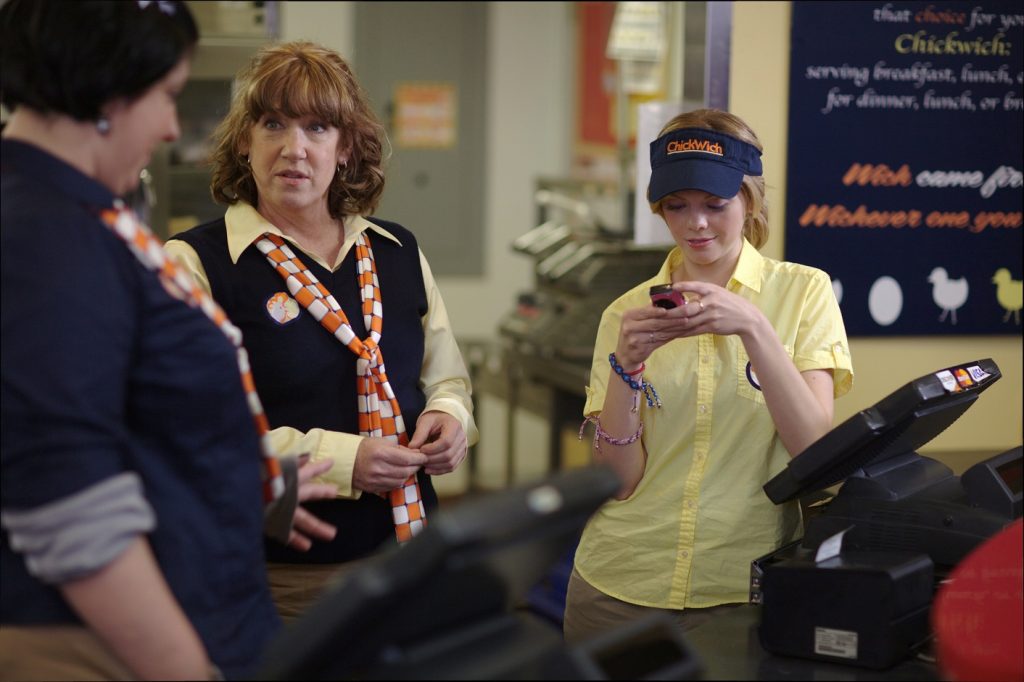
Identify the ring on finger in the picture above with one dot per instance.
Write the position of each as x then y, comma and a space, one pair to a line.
701, 304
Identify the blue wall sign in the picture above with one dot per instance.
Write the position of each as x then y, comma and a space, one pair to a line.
905, 157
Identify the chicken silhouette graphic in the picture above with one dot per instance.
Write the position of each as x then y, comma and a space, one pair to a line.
948, 294
1008, 293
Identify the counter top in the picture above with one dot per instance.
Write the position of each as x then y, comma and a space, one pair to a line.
730, 649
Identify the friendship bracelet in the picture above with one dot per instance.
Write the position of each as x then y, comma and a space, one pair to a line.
644, 386
600, 434
638, 370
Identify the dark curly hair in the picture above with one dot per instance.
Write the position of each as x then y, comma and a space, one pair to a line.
301, 79
73, 57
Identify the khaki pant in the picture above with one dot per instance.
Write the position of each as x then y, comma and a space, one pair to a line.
294, 587
589, 612
57, 652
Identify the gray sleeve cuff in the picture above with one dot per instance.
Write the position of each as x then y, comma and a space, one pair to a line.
278, 515
81, 533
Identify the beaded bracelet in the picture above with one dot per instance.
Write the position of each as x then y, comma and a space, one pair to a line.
600, 434
644, 386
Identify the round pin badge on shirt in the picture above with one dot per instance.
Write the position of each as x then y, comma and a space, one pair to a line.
751, 377
282, 308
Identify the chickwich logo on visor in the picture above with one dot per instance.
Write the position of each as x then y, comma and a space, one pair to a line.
696, 158
694, 145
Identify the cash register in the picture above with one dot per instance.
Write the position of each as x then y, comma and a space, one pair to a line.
858, 586
446, 605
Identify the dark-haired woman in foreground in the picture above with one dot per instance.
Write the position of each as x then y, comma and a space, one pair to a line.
133, 498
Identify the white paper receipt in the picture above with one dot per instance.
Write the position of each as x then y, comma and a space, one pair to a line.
830, 547
839, 643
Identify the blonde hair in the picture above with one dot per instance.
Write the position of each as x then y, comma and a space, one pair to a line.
302, 79
755, 222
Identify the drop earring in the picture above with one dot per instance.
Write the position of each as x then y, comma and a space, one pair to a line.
103, 125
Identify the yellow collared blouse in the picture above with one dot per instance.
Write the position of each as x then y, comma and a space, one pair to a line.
686, 536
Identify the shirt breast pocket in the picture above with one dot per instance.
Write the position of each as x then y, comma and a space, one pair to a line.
748, 384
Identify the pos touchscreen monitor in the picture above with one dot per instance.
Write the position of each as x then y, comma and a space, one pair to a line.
443, 605
899, 424
891, 497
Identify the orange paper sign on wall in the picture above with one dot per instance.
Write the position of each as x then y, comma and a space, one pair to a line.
425, 115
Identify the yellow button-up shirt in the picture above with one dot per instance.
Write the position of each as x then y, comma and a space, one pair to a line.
444, 378
686, 536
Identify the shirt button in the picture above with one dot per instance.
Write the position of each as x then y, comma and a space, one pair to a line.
684, 554
705, 359
690, 504
702, 408
838, 348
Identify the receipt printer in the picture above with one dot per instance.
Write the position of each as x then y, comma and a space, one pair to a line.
862, 608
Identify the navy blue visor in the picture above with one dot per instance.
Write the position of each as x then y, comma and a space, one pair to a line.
697, 158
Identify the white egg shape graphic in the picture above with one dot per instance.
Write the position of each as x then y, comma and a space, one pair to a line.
885, 300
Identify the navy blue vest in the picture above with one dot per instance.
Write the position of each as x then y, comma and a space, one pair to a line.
306, 378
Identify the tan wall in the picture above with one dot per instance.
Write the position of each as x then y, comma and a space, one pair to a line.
759, 93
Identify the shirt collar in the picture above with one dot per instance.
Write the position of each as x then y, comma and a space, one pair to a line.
245, 226
30, 160
748, 270
664, 276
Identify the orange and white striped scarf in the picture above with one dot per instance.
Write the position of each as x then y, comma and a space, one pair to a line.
379, 413
150, 252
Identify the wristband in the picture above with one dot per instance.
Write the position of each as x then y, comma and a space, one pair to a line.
644, 386
638, 370
600, 434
